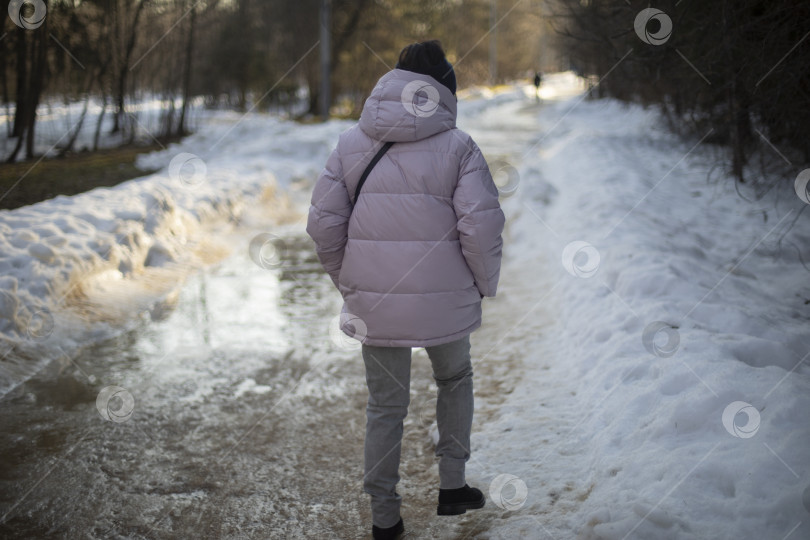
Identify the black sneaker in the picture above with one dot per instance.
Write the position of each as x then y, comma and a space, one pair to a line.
453, 502
389, 533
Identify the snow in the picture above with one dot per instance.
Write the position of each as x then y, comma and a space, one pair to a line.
676, 307
57, 120
653, 322
112, 253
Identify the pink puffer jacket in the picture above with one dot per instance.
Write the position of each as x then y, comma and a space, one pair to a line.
424, 238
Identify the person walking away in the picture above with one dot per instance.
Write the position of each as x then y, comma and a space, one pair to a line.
412, 254
538, 79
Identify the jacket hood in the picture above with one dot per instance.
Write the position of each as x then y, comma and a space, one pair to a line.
406, 106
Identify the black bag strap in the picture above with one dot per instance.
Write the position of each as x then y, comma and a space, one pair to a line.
370, 166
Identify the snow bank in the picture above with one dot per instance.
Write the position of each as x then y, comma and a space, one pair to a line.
669, 398
74, 267
57, 121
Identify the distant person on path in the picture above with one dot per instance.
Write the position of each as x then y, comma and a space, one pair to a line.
412, 255
538, 80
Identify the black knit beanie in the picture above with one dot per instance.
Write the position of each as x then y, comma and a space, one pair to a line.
428, 58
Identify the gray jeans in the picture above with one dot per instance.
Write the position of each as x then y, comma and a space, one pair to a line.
388, 375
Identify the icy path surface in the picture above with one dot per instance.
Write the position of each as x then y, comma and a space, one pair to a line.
75, 268
247, 416
640, 308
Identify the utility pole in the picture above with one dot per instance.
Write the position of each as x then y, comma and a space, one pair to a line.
493, 41
325, 50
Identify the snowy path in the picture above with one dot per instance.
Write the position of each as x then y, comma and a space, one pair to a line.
248, 418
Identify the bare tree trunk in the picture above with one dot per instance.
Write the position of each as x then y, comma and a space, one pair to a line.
313, 83
13, 156
242, 75
182, 129
4, 73
22, 83
168, 118
68, 147
121, 83
340, 40
738, 114
37, 84
123, 68
97, 135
